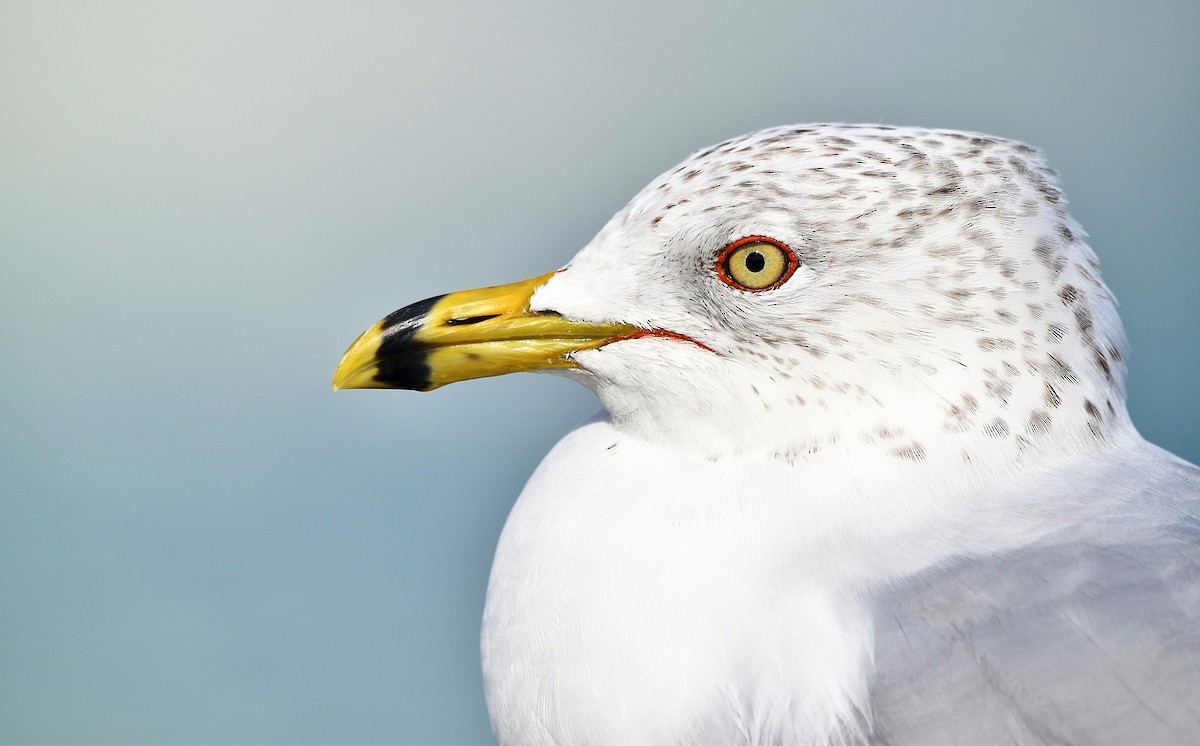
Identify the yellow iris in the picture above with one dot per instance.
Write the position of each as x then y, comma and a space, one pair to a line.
757, 265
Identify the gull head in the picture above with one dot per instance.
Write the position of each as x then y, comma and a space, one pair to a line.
810, 290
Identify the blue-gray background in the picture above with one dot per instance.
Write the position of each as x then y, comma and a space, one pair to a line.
202, 204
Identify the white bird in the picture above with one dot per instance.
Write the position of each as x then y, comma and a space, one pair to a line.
864, 470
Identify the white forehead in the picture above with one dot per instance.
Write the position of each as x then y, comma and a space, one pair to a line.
851, 200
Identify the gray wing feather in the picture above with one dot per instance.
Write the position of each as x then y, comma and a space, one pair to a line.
1090, 634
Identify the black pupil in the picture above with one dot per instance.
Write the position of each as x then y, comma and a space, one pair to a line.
755, 261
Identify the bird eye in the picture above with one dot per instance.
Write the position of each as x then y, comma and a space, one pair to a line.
756, 263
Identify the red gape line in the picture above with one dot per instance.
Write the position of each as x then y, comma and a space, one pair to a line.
666, 335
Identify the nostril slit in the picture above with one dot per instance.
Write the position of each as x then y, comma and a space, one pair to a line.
470, 320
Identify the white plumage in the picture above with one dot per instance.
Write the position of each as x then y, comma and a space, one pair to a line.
896, 498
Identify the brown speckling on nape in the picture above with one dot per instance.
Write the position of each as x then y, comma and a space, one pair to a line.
1039, 422
912, 452
997, 428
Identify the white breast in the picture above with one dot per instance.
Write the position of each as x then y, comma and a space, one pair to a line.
637, 597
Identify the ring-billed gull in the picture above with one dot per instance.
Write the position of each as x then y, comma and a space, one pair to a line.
864, 469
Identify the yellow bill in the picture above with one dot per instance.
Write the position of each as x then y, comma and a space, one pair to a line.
468, 334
